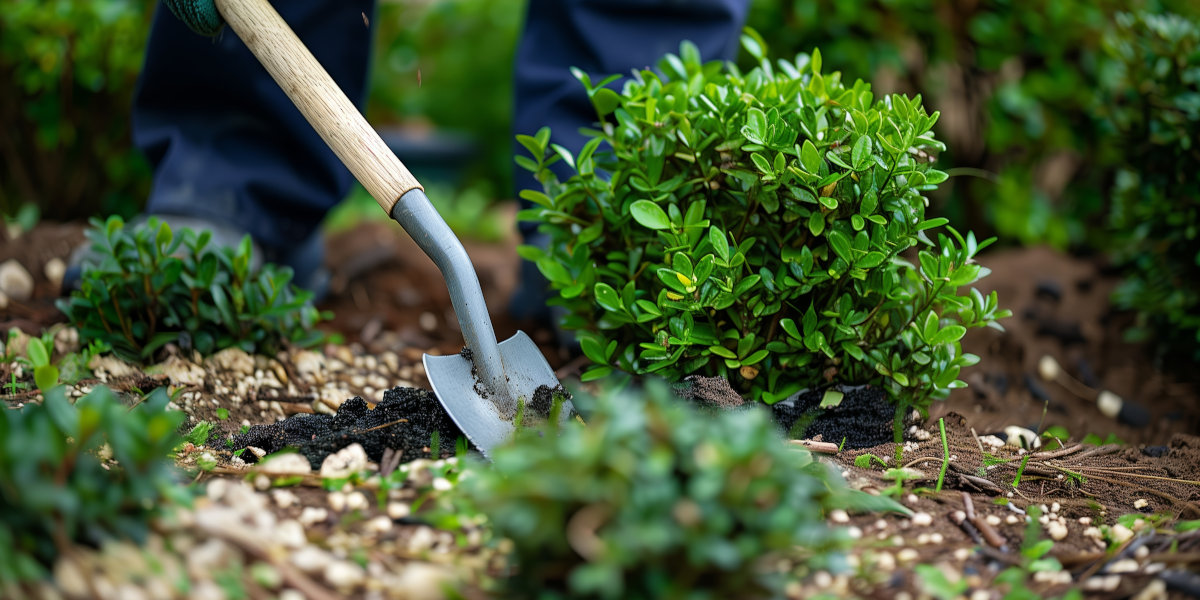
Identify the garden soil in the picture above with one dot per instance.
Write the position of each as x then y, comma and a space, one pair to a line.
391, 306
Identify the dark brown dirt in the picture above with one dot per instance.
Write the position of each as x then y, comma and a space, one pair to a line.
404, 421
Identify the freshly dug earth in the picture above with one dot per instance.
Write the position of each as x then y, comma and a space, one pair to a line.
404, 421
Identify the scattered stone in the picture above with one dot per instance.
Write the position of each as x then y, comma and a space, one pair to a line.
344, 575
232, 360
15, 281
179, 370
288, 463
1155, 590
1102, 583
839, 516
1121, 533
345, 462
1124, 565
1140, 503
311, 515
310, 559
285, 498
398, 510
1021, 437
1057, 530
423, 581
922, 519
290, 533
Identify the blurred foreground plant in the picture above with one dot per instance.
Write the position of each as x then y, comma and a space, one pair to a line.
79, 473
653, 499
152, 286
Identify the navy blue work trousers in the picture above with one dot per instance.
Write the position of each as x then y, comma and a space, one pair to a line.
226, 144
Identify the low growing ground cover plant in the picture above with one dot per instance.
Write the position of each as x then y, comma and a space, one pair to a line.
152, 286
767, 226
79, 473
655, 499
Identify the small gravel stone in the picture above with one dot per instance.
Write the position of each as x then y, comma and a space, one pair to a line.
312, 515
344, 575
1121, 533
290, 533
839, 516
310, 559
1124, 565
1155, 590
423, 581
885, 561
922, 519
337, 501
907, 555
1057, 530
1102, 583
284, 498
15, 281
356, 501
992, 520
1140, 503
345, 462
290, 463
398, 510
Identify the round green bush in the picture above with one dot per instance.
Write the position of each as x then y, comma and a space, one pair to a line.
767, 226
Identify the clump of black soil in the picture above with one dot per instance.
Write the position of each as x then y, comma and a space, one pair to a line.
863, 418
404, 421
709, 392
543, 399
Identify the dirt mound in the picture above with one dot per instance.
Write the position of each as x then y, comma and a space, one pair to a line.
404, 421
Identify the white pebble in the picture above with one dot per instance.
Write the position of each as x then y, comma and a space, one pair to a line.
1048, 368
907, 555
337, 501
284, 498
885, 561
1121, 533
1102, 583
310, 559
312, 515
992, 520
356, 501
922, 519
1057, 530
1140, 503
936, 538
290, 533
398, 510
344, 575
839, 516
1125, 565
1109, 404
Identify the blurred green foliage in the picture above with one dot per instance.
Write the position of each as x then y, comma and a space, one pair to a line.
1015, 81
1149, 104
67, 73
80, 472
448, 64
654, 499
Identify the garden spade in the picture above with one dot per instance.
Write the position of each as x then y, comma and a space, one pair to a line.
481, 387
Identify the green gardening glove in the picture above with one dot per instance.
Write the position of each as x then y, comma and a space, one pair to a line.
200, 16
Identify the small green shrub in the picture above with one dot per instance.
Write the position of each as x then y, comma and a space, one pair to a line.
1149, 102
759, 226
654, 499
80, 473
152, 286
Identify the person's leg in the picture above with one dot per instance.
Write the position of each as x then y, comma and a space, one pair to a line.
227, 145
601, 37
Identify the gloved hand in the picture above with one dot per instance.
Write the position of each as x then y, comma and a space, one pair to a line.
200, 16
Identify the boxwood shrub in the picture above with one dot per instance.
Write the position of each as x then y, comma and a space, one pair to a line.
766, 226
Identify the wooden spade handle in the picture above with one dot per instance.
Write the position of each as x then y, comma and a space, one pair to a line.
320, 99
